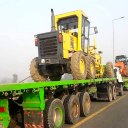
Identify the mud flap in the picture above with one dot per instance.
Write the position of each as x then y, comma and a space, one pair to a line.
33, 119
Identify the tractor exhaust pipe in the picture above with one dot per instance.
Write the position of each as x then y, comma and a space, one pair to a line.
52, 21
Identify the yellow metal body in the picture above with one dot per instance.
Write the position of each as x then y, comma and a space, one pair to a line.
98, 59
72, 43
68, 36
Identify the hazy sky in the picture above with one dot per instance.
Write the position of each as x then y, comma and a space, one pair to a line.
20, 20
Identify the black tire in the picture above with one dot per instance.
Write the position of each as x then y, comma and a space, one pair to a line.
85, 104
72, 109
55, 78
91, 63
35, 72
109, 70
109, 91
114, 92
62, 98
77, 72
54, 114
121, 90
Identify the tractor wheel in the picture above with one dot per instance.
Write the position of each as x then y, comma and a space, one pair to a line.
35, 72
54, 115
85, 104
72, 109
91, 68
55, 78
78, 66
109, 70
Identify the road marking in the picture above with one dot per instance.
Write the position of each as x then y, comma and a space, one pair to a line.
99, 111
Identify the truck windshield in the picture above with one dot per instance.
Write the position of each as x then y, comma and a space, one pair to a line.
70, 23
120, 59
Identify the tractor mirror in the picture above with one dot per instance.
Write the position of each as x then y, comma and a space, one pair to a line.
95, 30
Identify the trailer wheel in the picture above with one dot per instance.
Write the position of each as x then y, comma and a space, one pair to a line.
114, 92
54, 114
34, 71
72, 109
78, 66
91, 68
109, 70
62, 98
121, 90
85, 104
109, 91
55, 78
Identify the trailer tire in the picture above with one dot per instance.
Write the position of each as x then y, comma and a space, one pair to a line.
109, 91
54, 114
72, 109
121, 90
35, 72
55, 78
91, 68
62, 98
114, 92
109, 70
78, 66
85, 104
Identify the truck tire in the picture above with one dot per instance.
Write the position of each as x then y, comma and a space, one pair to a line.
114, 92
62, 98
72, 109
109, 70
35, 72
78, 66
109, 91
121, 90
54, 114
55, 78
91, 67
85, 104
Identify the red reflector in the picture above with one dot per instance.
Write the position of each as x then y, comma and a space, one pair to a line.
2, 109
60, 38
36, 42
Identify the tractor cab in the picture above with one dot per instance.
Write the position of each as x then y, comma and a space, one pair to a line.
75, 27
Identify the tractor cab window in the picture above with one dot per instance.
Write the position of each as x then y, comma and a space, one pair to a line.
85, 34
70, 23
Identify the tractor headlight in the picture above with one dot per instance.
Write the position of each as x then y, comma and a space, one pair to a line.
42, 60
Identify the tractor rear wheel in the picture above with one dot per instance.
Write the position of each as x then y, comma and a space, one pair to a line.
78, 66
91, 68
34, 71
109, 70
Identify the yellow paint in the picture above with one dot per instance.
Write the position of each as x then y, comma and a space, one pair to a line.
94, 114
65, 54
82, 66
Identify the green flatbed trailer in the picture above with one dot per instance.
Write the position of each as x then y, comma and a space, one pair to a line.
29, 104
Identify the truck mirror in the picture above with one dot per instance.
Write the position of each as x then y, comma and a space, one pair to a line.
95, 30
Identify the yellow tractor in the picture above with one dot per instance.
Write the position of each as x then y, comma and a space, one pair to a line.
66, 49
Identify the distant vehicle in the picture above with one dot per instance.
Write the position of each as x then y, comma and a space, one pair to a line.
122, 62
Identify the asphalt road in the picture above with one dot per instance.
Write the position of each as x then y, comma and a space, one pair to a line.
106, 114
